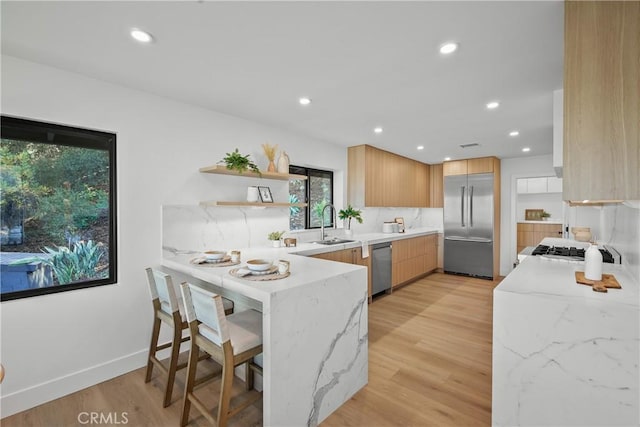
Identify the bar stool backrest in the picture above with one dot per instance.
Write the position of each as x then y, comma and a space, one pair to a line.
161, 287
207, 308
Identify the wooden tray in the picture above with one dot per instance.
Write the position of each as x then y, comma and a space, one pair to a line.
261, 278
608, 281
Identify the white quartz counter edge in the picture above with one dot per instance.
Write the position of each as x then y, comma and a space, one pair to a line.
528, 221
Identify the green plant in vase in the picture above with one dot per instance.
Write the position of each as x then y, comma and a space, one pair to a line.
275, 237
240, 163
348, 214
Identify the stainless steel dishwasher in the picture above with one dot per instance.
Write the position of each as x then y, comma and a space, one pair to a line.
380, 267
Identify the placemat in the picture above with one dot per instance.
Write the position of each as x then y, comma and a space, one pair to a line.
262, 278
226, 262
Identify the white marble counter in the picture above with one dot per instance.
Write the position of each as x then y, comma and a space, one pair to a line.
562, 353
315, 333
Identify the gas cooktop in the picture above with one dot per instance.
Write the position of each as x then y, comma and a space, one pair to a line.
569, 253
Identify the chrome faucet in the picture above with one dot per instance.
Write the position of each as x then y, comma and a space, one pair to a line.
328, 205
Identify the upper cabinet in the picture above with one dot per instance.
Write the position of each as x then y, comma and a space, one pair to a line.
601, 155
378, 178
436, 194
470, 166
549, 184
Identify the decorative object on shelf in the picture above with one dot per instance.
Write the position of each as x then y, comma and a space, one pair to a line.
348, 214
290, 242
275, 237
265, 194
533, 214
581, 234
240, 163
270, 152
253, 195
545, 215
283, 163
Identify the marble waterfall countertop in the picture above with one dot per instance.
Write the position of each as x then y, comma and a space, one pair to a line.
562, 353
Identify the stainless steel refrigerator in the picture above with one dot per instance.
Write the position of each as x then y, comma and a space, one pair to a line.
468, 225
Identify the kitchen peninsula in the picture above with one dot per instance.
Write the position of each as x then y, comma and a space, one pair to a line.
562, 353
314, 331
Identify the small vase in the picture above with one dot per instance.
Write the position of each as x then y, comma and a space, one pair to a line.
271, 167
283, 163
348, 232
275, 243
252, 194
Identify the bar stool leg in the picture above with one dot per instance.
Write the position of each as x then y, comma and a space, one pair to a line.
190, 382
227, 385
173, 362
155, 333
249, 376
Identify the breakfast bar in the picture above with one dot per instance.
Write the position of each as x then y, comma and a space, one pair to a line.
315, 334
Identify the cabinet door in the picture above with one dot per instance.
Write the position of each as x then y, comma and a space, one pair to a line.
431, 255
454, 167
436, 199
601, 109
522, 186
366, 262
480, 165
554, 185
537, 185
345, 255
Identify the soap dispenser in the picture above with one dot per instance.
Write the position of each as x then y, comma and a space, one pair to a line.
593, 263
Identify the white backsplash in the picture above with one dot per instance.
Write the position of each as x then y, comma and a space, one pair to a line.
197, 228
620, 228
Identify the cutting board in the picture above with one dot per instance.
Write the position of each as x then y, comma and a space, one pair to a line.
608, 281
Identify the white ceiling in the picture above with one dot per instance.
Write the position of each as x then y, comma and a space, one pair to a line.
364, 64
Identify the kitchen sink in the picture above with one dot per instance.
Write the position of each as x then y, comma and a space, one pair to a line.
333, 241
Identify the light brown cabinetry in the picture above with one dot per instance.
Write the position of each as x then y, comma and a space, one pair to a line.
530, 234
378, 178
436, 194
601, 154
350, 256
469, 166
412, 258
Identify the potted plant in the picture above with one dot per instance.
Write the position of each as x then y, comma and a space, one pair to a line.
240, 163
544, 215
275, 237
348, 214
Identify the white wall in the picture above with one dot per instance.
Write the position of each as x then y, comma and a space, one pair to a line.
550, 202
511, 170
55, 344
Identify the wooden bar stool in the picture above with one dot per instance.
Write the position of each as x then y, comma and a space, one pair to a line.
167, 308
230, 340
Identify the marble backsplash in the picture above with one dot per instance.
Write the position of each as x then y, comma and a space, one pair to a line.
621, 226
197, 228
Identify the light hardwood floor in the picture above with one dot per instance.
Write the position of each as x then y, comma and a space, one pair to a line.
429, 365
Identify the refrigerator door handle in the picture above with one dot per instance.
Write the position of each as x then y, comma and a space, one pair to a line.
462, 206
471, 206
468, 239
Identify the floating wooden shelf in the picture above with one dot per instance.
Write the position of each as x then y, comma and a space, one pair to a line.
259, 204
222, 170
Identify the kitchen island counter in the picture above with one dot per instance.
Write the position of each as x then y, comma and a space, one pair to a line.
562, 353
315, 333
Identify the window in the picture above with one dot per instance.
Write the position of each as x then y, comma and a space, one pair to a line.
57, 205
316, 191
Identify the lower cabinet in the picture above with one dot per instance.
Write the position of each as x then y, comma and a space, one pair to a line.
530, 234
350, 256
412, 258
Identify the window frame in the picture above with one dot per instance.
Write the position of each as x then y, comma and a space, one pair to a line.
309, 172
27, 130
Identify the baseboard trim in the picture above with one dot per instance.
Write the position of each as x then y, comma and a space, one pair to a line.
47, 391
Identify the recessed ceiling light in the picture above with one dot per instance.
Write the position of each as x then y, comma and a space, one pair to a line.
420, 147
492, 105
304, 101
514, 133
446, 159
141, 36
378, 130
448, 48
526, 149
